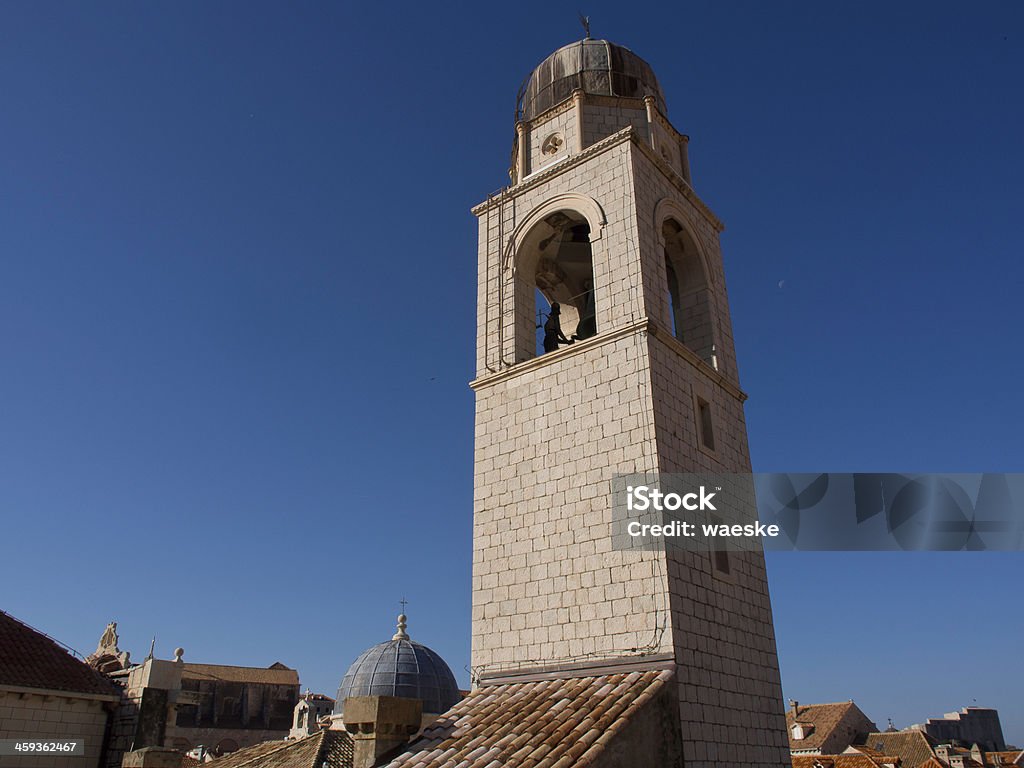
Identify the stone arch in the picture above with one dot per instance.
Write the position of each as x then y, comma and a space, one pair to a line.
584, 205
688, 287
552, 258
669, 208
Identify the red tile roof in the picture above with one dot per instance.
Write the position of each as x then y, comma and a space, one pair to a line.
324, 749
30, 659
847, 760
1008, 757
823, 720
559, 722
913, 747
276, 674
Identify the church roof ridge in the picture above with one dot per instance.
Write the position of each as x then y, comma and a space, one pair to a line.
32, 659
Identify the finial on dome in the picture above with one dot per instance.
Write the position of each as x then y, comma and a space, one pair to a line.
585, 21
401, 634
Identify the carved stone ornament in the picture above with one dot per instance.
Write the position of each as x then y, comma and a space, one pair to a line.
108, 640
552, 144
108, 657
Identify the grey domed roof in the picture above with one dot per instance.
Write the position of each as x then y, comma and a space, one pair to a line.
401, 668
596, 66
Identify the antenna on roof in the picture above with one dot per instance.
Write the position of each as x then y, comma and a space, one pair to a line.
585, 21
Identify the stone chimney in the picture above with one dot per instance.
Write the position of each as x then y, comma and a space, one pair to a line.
976, 754
380, 724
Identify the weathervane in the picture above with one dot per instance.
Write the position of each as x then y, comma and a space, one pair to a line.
585, 21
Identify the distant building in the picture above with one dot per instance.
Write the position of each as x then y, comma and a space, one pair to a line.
222, 707
825, 729
971, 725
47, 693
914, 748
953, 756
308, 713
389, 694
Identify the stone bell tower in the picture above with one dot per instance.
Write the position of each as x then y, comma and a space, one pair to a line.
601, 217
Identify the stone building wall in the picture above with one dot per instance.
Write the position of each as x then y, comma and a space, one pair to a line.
43, 716
604, 115
971, 725
546, 584
562, 122
552, 431
507, 334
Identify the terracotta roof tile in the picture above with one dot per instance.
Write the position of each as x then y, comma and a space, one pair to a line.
324, 749
914, 748
278, 674
242, 756
1008, 757
824, 718
30, 659
846, 760
872, 753
541, 724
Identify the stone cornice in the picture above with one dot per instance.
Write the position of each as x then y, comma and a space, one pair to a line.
589, 99
637, 326
664, 123
582, 668
534, 179
58, 694
559, 354
680, 183
543, 117
670, 341
619, 137
619, 102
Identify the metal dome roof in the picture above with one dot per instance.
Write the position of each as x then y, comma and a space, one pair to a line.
401, 668
596, 66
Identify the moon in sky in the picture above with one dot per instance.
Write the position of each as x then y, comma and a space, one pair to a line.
782, 283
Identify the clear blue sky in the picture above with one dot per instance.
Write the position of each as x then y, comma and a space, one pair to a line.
237, 286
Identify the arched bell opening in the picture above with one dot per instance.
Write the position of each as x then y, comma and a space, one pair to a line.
689, 293
555, 265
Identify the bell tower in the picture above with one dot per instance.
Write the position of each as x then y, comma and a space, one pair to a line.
601, 217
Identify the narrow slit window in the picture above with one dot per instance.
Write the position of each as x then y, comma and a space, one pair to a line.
722, 561
720, 557
704, 424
